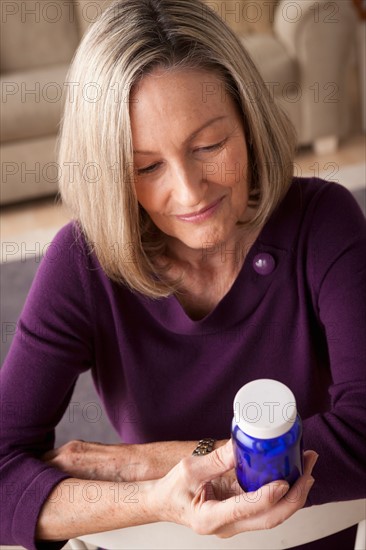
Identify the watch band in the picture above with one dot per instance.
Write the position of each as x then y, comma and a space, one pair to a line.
204, 446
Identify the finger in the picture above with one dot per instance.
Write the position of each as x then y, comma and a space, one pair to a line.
293, 501
258, 502
215, 517
262, 509
237, 510
270, 515
276, 513
298, 493
310, 458
208, 467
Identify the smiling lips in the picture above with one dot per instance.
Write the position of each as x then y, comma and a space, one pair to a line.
202, 214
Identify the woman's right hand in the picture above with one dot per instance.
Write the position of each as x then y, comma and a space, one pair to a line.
196, 493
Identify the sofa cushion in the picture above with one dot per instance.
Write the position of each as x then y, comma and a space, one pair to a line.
32, 102
36, 34
29, 169
272, 60
245, 16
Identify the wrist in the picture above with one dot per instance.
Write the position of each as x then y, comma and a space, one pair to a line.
155, 460
219, 443
150, 501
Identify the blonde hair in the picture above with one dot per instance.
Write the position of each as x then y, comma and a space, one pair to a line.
131, 38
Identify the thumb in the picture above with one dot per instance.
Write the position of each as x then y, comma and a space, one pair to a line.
215, 464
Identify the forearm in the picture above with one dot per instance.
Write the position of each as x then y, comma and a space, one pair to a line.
155, 460
120, 462
78, 507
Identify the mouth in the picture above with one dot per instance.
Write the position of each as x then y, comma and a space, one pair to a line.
203, 214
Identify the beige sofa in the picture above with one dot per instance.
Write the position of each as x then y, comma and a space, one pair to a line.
302, 50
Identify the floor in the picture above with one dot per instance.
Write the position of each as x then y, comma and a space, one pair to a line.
29, 227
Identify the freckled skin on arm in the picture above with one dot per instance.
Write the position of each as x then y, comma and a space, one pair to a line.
193, 493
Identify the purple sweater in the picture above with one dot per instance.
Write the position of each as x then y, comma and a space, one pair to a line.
162, 376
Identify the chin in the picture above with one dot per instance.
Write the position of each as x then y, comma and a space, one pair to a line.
201, 238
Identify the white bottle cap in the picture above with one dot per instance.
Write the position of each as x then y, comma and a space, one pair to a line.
265, 409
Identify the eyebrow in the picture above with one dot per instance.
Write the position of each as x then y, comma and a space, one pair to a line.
189, 138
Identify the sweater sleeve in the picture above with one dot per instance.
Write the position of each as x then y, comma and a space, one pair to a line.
53, 344
337, 274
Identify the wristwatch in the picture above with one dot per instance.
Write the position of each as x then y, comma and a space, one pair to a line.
204, 446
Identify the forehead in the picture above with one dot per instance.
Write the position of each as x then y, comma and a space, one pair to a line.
166, 98
203, 84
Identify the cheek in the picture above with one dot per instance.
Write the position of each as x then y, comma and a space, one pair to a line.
151, 197
232, 168
145, 194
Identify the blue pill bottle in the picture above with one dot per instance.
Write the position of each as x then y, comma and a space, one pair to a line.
266, 434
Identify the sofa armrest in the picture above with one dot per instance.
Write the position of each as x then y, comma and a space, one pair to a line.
296, 23
319, 35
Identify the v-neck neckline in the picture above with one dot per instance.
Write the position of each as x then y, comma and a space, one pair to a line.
249, 287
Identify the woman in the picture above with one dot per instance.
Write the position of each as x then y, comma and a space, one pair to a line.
195, 263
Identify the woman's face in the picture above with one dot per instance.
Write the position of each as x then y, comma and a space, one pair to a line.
190, 157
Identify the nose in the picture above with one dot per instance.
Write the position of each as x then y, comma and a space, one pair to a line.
189, 187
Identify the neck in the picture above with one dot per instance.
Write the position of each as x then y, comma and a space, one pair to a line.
207, 275
222, 257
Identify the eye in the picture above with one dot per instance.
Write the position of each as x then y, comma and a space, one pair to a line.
213, 147
148, 169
